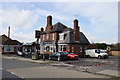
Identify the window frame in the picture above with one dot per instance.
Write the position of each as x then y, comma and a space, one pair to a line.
47, 36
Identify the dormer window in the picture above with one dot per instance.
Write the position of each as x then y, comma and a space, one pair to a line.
62, 36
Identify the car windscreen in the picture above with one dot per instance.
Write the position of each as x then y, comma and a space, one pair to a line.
71, 53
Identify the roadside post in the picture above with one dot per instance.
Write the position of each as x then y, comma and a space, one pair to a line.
37, 35
43, 56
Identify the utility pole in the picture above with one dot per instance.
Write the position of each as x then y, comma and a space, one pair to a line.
8, 39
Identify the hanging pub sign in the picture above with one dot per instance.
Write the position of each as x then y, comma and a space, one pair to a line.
37, 34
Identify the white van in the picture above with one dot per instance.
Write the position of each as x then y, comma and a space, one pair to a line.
96, 53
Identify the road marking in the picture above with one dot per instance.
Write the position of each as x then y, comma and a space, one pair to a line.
14, 74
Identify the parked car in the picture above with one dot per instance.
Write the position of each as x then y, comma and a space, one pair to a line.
35, 55
58, 56
96, 53
71, 55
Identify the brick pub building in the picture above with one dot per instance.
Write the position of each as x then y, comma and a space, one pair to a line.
60, 38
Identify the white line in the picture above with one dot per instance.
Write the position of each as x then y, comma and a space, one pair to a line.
15, 74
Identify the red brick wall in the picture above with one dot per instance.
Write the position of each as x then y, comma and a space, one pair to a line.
50, 37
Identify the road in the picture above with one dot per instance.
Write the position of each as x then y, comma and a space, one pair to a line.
94, 63
24, 69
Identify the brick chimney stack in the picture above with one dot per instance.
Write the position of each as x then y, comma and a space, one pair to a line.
49, 20
76, 30
76, 27
49, 23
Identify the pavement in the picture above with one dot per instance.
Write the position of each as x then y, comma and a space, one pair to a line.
110, 73
15, 57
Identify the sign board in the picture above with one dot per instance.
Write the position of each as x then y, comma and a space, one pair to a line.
37, 34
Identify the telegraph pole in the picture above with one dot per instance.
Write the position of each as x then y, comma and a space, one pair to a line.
8, 39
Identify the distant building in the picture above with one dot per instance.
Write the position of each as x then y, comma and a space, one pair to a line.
30, 47
60, 38
8, 45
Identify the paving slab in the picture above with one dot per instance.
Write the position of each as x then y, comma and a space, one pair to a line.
109, 72
25, 59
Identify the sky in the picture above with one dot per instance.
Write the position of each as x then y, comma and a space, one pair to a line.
97, 20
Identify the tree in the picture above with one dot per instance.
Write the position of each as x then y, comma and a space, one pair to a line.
116, 47
101, 45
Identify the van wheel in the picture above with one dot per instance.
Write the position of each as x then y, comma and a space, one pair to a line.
100, 57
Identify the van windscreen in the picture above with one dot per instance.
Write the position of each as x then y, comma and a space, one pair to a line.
97, 51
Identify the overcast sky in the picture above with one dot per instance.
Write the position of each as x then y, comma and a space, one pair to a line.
97, 20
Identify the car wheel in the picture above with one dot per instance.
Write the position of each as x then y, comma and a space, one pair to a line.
58, 59
100, 57
49, 58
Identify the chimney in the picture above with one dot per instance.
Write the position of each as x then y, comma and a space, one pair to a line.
49, 23
42, 29
49, 20
76, 30
76, 27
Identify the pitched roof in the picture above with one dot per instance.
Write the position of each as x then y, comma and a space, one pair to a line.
70, 38
58, 27
83, 39
4, 40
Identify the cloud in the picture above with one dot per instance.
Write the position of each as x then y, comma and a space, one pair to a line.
24, 37
99, 24
16, 18
55, 15
23, 20
20, 20
102, 17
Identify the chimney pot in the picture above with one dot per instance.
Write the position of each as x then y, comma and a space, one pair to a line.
42, 29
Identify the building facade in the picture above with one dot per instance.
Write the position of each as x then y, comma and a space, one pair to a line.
8, 45
60, 38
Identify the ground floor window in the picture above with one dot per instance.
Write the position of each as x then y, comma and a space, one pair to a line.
50, 48
9, 49
47, 48
62, 48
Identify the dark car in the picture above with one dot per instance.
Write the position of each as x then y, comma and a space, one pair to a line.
71, 55
58, 56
